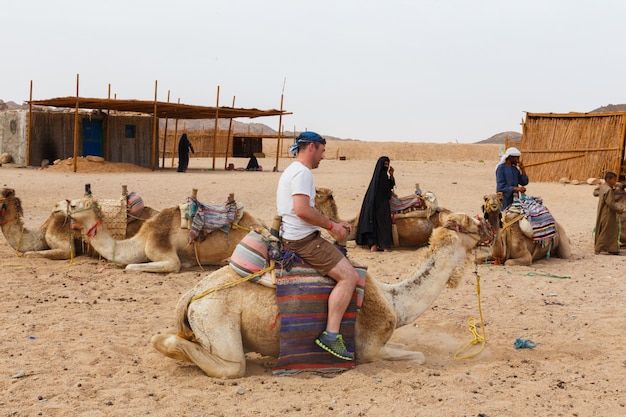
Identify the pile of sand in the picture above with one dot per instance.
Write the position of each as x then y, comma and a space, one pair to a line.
93, 164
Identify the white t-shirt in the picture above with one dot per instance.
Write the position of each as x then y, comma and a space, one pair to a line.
296, 179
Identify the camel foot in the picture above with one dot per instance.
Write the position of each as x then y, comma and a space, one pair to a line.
168, 344
397, 352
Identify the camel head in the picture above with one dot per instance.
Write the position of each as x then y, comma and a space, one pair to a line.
8, 201
82, 210
325, 203
493, 203
478, 229
492, 209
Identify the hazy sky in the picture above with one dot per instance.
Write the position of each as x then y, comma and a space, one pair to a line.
413, 70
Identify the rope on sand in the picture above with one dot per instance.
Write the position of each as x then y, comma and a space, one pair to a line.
478, 338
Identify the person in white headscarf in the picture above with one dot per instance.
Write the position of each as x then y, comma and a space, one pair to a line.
511, 177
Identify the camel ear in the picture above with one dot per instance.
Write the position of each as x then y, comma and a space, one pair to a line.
485, 197
499, 195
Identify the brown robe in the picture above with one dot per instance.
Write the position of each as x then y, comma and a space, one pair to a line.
606, 238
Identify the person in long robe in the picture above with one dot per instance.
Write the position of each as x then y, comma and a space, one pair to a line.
184, 146
374, 228
607, 228
511, 177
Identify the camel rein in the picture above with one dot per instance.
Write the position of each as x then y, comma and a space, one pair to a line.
235, 282
452, 225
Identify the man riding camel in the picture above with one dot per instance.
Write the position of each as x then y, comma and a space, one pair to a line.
511, 177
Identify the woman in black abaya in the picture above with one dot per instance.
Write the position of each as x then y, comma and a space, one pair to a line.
374, 228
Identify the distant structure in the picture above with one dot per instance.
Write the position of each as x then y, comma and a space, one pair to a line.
573, 145
117, 130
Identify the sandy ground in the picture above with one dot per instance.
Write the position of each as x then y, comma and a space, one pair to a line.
76, 336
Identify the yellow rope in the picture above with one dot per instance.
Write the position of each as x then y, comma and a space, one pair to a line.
472, 329
238, 226
512, 222
195, 251
233, 283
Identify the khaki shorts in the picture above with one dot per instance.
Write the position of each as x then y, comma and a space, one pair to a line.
316, 251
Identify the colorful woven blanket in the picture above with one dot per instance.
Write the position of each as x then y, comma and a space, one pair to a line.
542, 222
302, 296
402, 203
209, 218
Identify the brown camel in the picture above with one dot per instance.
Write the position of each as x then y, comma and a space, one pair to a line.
55, 239
161, 245
214, 332
514, 244
413, 227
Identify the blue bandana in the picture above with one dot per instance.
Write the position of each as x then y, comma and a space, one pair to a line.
305, 137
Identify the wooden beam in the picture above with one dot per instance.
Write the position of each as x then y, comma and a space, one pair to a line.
554, 160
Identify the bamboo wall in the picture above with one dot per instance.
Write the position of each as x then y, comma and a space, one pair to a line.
574, 145
202, 142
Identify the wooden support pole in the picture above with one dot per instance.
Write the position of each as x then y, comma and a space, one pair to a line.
230, 129
278, 139
75, 129
217, 111
155, 126
30, 124
107, 137
175, 136
165, 135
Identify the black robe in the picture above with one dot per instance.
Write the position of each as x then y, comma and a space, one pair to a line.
374, 226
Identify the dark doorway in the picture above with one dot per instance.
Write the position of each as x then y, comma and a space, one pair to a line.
92, 137
244, 147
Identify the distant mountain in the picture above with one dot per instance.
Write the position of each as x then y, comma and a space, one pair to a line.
502, 137
609, 108
11, 105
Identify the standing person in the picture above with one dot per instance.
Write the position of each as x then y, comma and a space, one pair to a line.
511, 177
300, 233
374, 228
184, 146
606, 238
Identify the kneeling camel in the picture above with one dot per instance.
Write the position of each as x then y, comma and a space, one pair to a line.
160, 245
214, 332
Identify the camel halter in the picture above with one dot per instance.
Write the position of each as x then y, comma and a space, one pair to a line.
483, 231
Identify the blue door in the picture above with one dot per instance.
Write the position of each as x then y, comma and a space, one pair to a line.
92, 137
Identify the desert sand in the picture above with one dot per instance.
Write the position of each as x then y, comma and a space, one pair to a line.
76, 335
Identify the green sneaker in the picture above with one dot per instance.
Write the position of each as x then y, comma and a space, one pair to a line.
336, 347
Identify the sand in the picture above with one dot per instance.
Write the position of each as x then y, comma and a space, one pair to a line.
76, 335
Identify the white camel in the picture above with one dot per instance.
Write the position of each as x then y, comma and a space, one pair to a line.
160, 245
214, 331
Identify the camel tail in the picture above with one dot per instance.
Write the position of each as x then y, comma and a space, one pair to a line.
183, 329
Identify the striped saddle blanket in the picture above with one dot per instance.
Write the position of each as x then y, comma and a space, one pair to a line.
207, 218
302, 298
540, 219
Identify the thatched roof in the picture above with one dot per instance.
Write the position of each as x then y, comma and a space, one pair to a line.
162, 109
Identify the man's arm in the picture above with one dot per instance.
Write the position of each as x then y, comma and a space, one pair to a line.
303, 209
